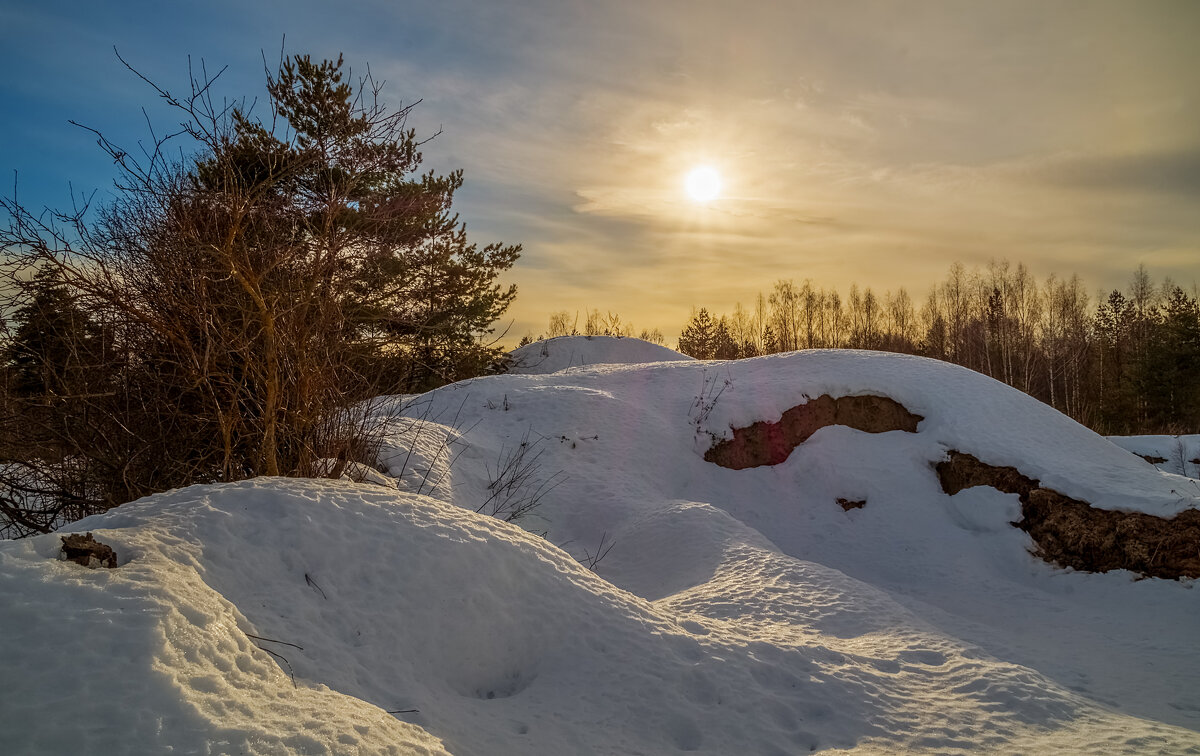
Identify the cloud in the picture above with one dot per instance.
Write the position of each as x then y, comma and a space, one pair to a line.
869, 140
1171, 172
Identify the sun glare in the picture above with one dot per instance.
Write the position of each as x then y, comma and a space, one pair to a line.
703, 184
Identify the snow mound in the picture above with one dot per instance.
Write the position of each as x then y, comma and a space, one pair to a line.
484, 635
729, 611
562, 352
156, 656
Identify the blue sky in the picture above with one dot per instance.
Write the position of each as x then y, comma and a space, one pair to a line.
875, 142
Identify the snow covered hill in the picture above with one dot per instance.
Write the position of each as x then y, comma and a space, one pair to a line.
835, 600
560, 353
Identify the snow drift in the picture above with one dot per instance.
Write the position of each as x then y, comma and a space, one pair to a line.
729, 611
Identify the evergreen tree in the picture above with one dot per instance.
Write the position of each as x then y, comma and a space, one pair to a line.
1116, 387
53, 348
1171, 369
416, 294
770, 341
723, 345
698, 338
272, 276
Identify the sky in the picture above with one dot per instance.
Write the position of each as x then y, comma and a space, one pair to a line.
858, 141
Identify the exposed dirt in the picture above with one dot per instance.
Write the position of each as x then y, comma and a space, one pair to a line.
767, 443
1153, 459
965, 471
1065, 531
1072, 533
86, 550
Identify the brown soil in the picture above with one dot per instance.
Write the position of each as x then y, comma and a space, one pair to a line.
767, 443
1153, 459
847, 504
83, 549
1072, 533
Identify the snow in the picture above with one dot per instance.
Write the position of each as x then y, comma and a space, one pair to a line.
562, 352
1178, 454
736, 612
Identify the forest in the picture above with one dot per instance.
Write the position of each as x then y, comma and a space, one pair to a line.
1121, 362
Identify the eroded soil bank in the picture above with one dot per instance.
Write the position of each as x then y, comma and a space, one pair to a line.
1072, 533
1066, 531
767, 443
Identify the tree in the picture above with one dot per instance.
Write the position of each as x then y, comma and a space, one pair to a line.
54, 344
786, 303
57, 365
744, 332
724, 347
900, 334
698, 338
653, 335
1131, 365
1171, 369
54, 362
561, 324
277, 271
1114, 319
412, 285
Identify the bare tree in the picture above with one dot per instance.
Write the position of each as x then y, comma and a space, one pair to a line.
561, 324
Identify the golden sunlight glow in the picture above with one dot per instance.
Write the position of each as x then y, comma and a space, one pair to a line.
703, 184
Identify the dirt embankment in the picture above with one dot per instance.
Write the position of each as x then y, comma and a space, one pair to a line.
767, 443
1072, 533
1066, 531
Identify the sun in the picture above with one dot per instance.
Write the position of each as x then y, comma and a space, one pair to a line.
703, 184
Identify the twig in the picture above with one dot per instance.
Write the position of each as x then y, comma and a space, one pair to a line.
282, 658
515, 488
590, 560
272, 640
313, 583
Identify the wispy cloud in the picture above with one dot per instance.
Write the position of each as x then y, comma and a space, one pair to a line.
870, 140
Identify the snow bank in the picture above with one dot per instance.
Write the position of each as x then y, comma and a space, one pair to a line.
560, 353
736, 612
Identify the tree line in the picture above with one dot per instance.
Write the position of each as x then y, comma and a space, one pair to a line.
1127, 364
595, 323
254, 281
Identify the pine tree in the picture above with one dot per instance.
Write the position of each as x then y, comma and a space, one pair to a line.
1171, 370
698, 337
263, 282
416, 294
723, 345
770, 342
53, 345
1117, 392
